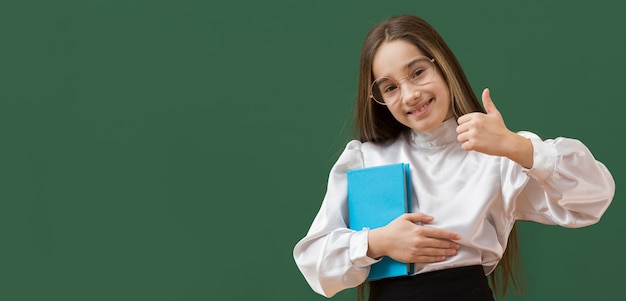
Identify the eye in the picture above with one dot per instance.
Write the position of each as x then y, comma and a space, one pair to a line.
417, 73
388, 89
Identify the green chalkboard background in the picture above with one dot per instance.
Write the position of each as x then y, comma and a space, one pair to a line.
178, 149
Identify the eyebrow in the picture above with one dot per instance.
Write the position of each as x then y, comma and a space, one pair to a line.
412, 62
383, 80
406, 67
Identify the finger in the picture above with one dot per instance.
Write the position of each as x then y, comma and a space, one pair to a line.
462, 128
440, 233
490, 107
436, 243
428, 259
467, 144
465, 118
418, 217
437, 252
441, 244
462, 138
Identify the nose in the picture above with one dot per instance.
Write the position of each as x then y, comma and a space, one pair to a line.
410, 93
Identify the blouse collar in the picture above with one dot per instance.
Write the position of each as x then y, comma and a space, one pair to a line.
443, 134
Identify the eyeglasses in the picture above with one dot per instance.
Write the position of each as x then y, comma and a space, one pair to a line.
419, 71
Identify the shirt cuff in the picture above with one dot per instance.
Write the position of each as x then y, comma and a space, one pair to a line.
358, 249
544, 160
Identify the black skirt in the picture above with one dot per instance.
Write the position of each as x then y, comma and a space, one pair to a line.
463, 283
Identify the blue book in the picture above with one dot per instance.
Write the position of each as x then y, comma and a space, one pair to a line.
376, 196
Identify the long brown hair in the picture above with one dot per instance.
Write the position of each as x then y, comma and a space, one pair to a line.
376, 124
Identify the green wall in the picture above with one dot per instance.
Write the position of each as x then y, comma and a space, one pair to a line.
178, 149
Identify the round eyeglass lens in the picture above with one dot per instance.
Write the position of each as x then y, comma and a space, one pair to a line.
419, 71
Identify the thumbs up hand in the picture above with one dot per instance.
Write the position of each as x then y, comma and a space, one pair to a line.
487, 133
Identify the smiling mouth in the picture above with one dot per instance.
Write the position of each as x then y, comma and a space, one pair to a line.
421, 108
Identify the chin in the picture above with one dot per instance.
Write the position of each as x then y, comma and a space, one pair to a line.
424, 125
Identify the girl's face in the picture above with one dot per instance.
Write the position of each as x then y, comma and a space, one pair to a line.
422, 106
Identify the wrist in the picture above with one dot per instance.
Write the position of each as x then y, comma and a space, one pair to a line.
521, 150
373, 245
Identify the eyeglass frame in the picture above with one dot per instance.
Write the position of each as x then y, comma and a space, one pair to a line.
432, 62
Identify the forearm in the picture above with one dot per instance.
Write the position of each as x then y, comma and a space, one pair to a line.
520, 150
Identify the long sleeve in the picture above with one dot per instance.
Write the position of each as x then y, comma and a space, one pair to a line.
332, 257
566, 185
473, 194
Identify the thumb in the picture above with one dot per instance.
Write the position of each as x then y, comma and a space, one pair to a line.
490, 107
418, 217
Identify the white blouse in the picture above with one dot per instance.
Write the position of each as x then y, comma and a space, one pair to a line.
476, 195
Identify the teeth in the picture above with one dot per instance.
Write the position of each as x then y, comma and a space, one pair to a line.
421, 108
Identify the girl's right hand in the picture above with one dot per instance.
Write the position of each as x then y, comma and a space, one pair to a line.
405, 241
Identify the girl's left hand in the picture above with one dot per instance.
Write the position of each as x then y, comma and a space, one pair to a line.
487, 133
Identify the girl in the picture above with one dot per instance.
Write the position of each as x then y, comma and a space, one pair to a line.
472, 178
